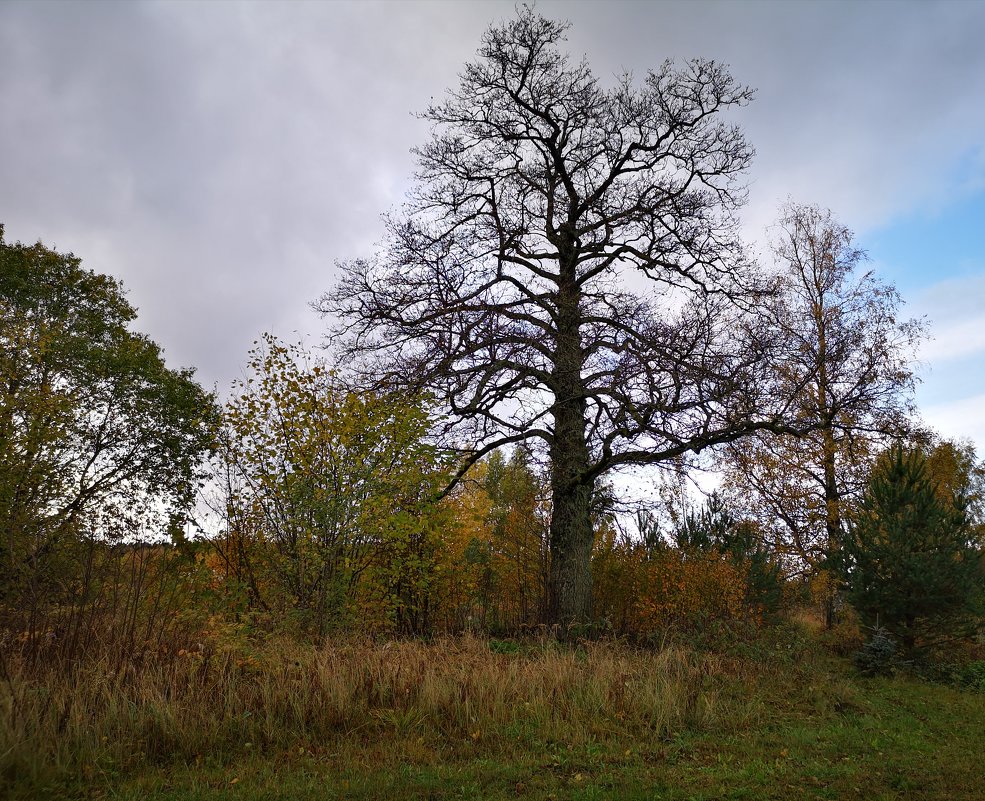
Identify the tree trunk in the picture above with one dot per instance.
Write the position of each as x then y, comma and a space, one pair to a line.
571, 538
909, 636
832, 522
832, 500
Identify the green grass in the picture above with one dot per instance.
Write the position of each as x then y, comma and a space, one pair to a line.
461, 720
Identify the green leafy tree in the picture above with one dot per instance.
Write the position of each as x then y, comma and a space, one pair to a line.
98, 437
520, 519
329, 494
910, 559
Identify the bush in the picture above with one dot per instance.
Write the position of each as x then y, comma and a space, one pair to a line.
845, 637
972, 675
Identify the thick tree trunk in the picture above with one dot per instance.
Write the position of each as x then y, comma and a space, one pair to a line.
832, 500
570, 590
571, 536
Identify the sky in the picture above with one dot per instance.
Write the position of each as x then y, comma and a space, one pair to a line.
220, 157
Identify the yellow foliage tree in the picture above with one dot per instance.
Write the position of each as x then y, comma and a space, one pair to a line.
329, 497
495, 553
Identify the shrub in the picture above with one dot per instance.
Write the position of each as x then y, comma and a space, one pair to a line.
972, 675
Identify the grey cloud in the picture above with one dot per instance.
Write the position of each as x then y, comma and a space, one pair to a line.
219, 157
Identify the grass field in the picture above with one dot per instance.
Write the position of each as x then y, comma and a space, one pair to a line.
468, 718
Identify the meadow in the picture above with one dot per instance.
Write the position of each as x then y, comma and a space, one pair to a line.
778, 715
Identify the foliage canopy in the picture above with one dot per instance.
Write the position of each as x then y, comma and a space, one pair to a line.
97, 434
848, 370
329, 494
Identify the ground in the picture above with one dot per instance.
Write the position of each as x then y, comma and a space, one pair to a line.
778, 719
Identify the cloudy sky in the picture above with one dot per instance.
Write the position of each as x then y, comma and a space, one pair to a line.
219, 157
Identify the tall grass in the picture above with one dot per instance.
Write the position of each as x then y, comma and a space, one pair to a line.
212, 704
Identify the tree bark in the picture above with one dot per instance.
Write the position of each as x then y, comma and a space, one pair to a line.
571, 538
571, 532
832, 523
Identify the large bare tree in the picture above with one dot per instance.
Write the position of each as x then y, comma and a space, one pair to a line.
566, 272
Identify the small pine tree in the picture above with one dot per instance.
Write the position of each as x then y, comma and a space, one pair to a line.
878, 656
909, 560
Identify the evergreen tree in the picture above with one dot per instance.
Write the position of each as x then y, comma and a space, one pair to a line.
910, 558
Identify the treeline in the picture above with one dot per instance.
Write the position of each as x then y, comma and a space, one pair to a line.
142, 519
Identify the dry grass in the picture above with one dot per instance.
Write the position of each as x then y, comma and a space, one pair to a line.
768, 717
206, 704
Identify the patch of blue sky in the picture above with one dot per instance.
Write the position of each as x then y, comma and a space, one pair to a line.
936, 258
924, 248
